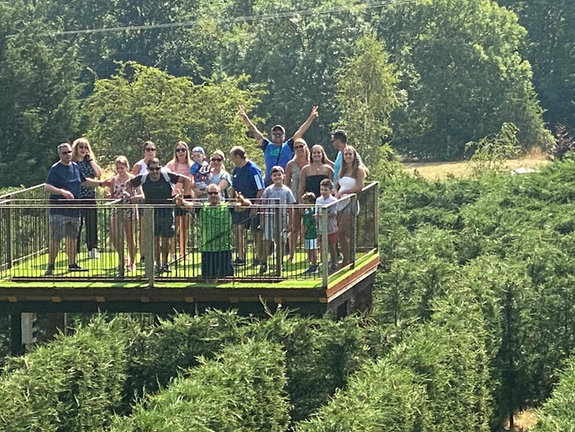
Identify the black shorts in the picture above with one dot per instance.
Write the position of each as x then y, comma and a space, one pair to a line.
164, 222
217, 264
245, 218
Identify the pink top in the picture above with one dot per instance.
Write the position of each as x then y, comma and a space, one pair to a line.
178, 168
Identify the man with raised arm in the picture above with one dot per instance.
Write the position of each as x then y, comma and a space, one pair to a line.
277, 151
63, 184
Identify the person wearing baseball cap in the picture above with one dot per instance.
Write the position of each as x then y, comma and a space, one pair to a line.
277, 151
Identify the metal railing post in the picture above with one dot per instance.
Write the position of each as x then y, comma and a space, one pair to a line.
149, 246
278, 239
353, 237
324, 247
121, 241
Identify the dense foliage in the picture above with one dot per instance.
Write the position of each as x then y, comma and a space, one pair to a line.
447, 72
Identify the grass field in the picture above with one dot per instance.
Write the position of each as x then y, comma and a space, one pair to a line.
442, 170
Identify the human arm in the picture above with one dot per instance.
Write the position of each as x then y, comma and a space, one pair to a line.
97, 170
53, 190
289, 170
359, 182
252, 127
136, 169
302, 181
305, 126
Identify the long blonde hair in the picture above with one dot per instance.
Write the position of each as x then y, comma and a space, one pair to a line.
354, 166
76, 150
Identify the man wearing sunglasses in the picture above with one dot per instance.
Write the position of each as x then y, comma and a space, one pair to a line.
63, 184
157, 185
277, 151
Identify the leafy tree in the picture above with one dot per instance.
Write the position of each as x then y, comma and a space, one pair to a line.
492, 152
459, 64
550, 50
39, 94
366, 96
141, 103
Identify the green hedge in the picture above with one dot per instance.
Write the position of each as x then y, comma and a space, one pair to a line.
242, 389
558, 413
72, 384
382, 397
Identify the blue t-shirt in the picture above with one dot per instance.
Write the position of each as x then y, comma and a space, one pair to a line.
248, 180
276, 155
68, 177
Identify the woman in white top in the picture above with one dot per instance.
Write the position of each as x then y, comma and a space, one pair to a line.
293, 173
351, 180
141, 167
181, 164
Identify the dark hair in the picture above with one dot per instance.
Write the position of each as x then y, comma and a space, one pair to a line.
238, 151
309, 196
277, 168
339, 135
152, 161
326, 183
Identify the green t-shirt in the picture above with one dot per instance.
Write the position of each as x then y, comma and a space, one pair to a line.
308, 221
216, 228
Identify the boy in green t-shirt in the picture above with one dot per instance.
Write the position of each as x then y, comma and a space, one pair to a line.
310, 232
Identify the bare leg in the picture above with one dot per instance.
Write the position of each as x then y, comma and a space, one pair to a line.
240, 243
71, 249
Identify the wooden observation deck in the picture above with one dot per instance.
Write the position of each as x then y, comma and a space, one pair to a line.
107, 285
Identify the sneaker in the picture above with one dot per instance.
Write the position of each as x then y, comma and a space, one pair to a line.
142, 260
311, 270
239, 262
94, 254
263, 268
76, 268
158, 269
49, 270
131, 267
166, 268
257, 262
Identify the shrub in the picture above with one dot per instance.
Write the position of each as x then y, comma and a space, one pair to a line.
243, 388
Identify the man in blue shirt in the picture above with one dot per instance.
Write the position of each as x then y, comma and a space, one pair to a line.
277, 151
247, 182
63, 185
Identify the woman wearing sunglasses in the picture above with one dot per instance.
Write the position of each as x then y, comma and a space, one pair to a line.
141, 167
83, 156
181, 164
218, 174
293, 173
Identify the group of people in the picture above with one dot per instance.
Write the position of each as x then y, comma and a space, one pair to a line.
200, 186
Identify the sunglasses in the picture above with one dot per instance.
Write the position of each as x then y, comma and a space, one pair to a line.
154, 169
150, 149
213, 193
217, 159
66, 152
299, 147
180, 150
278, 134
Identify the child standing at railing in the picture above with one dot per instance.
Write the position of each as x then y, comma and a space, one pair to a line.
326, 198
118, 191
274, 194
310, 232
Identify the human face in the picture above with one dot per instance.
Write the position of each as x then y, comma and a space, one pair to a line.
316, 154
278, 136
324, 191
348, 156
277, 178
154, 171
299, 147
149, 151
234, 159
120, 169
198, 156
65, 154
337, 144
181, 152
214, 195
216, 159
